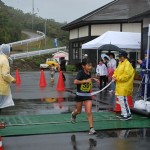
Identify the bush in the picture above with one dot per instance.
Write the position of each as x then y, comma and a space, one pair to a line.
70, 68
37, 62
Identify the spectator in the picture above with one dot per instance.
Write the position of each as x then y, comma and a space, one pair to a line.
5, 77
111, 68
52, 72
143, 72
62, 64
124, 77
101, 71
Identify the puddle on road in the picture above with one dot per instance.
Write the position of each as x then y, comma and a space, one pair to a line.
49, 106
131, 139
40, 106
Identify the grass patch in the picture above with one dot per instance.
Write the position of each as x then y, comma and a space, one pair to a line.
30, 63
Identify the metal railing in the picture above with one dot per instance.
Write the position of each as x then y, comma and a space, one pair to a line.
34, 53
39, 52
28, 40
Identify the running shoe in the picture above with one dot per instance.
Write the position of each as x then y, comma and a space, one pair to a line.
92, 131
73, 118
126, 118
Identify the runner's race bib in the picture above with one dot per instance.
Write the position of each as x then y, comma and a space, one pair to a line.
86, 87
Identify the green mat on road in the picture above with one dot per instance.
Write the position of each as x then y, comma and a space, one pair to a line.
60, 123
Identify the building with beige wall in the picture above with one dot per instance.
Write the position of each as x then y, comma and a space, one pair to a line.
119, 15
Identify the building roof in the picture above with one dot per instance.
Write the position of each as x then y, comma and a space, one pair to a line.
115, 11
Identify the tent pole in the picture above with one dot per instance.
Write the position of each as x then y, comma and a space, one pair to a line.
146, 75
136, 59
97, 56
81, 54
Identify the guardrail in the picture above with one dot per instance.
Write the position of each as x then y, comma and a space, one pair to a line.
34, 53
39, 52
28, 40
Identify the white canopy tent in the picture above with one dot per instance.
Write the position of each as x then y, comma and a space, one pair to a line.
128, 41
124, 40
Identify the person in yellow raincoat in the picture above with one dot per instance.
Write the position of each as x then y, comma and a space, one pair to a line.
5, 77
124, 77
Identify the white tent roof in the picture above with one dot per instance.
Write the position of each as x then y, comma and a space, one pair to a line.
124, 40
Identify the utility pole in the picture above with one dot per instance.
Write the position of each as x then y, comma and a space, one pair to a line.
32, 14
45, 31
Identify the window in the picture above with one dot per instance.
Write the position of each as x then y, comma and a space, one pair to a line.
80, 45
75, 50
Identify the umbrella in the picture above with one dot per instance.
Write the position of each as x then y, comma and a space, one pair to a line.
59, 55
109, 47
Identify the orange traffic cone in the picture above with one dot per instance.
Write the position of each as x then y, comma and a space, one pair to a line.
130, 102
1, 147
117, 107
42, 79
60, 84
18, 80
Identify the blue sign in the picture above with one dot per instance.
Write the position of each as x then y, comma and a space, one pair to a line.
56, 42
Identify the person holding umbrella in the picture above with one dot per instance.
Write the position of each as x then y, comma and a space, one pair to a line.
101, 71
111, 68
124, 77
63, 66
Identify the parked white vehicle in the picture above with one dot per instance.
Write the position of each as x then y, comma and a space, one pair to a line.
44, 66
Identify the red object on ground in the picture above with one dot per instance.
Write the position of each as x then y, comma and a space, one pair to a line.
118, 108
42, 82
1, 146
60, 85
18, 80
130, 102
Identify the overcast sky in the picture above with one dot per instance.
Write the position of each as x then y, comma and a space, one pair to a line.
59, 10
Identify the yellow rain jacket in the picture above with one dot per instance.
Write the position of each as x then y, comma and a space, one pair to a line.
5, 77
124, 75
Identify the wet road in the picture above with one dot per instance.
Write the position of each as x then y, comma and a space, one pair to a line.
30, 99
105, 140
